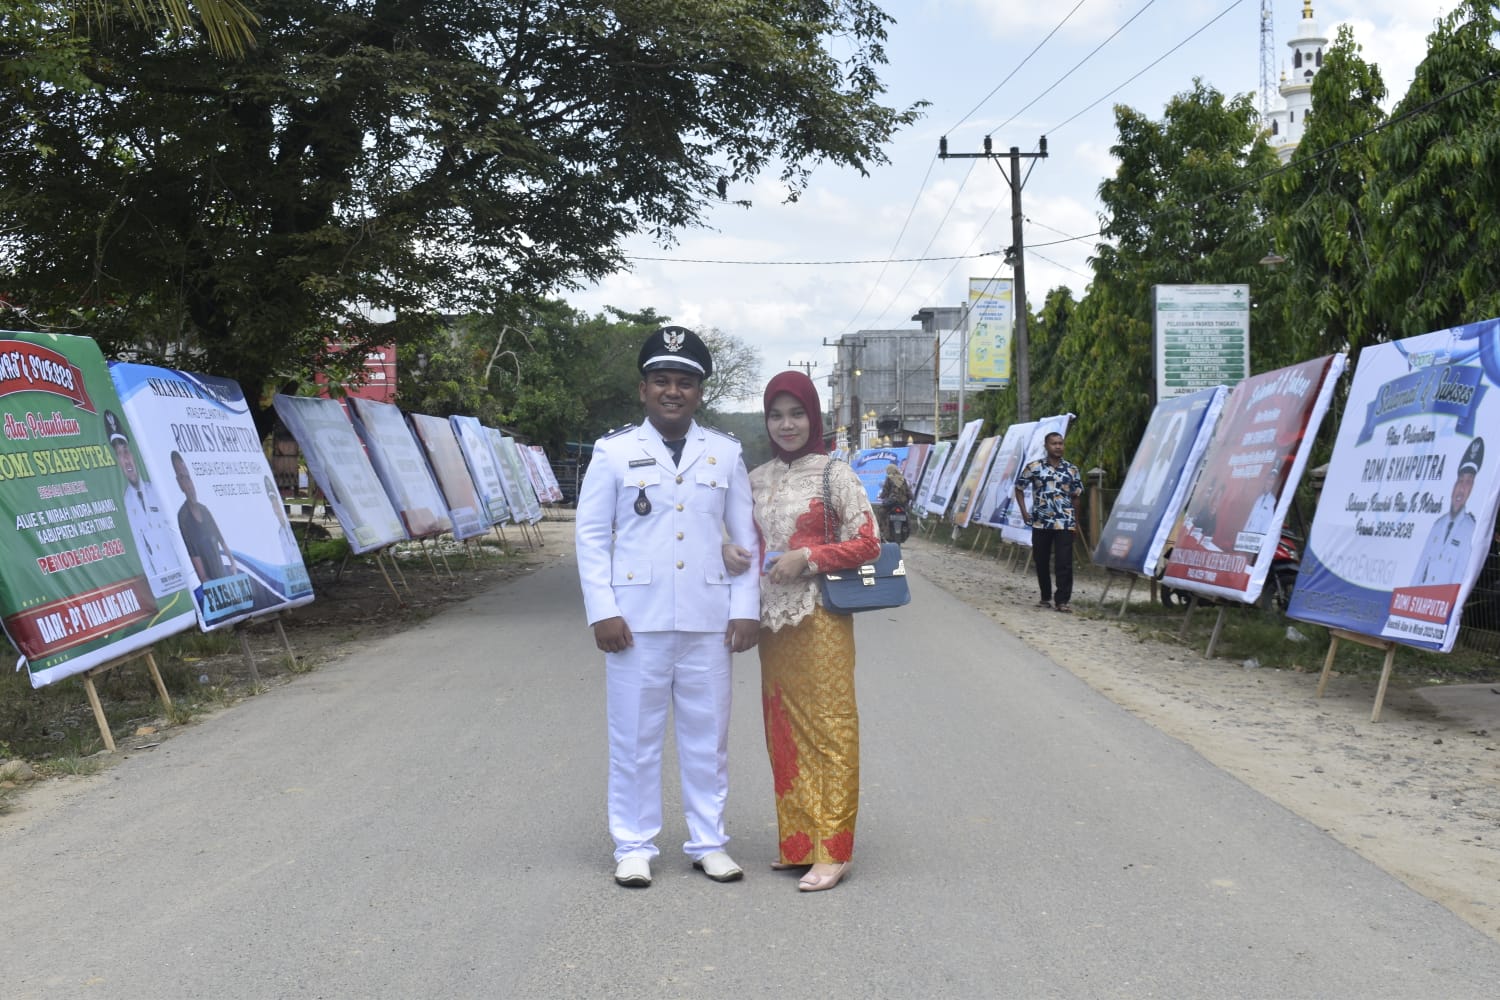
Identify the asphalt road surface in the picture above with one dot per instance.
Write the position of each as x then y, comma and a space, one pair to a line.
426, 819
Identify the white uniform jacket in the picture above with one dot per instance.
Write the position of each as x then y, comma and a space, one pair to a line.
1445, 557
663, 570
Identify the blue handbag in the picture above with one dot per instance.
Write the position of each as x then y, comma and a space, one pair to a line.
871, 587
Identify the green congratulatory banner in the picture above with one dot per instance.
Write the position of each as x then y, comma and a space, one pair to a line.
73, 590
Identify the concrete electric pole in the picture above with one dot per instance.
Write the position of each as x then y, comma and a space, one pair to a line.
1015, 255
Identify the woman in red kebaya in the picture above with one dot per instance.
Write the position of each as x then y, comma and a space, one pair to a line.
806, 651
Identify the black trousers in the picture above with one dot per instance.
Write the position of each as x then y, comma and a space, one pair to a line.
1048, 546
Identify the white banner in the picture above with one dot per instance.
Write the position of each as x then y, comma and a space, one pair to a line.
447, 461
402, 467
233, 537
479, 455
336, 458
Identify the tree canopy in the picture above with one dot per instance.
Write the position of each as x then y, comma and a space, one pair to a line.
1386, 224
370, 159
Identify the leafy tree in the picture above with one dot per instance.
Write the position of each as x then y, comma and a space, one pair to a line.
1182, 209
1322, 221
371, 158
736, 368
1433, 198
228, 25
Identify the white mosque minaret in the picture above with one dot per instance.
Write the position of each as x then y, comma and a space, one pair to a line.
1288, 117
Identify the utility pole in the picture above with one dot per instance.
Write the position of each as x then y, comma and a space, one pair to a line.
1015, 255
806, 366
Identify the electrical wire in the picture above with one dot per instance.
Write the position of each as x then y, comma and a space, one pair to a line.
1079, 64
1019, 65
1068, 121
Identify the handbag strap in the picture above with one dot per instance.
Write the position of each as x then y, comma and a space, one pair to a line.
828, 535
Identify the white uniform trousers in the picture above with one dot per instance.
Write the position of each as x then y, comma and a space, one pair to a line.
689, 671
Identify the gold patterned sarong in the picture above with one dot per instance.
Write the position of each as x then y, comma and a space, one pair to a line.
812, 735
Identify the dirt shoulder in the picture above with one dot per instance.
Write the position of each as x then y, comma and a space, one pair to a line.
1417, 793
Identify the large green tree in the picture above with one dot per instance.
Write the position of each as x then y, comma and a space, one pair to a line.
1322, 216
1434, 196
1182, 209
551, 372
370, 159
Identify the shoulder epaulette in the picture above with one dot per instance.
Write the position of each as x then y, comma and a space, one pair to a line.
617, 433
715, 430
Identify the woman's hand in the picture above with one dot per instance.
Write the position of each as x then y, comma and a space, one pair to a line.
789, 567
737, 558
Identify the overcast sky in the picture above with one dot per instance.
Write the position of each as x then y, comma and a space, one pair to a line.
794, 288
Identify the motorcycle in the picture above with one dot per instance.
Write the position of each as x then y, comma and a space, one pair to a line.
898, 526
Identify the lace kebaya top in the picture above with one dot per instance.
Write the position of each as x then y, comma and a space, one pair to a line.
789, 515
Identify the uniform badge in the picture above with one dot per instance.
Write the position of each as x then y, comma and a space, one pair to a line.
672, 338
642, 503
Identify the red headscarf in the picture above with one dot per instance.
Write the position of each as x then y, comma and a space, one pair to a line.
798, 385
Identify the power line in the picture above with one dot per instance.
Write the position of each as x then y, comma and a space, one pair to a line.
921, 185
1078, 64
1149, 66
1020, 64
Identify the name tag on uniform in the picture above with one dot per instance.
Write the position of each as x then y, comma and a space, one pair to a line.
638, 462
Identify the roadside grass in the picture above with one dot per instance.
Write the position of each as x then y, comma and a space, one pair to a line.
1251, 636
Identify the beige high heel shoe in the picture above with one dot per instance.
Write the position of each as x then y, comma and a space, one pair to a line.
815, 881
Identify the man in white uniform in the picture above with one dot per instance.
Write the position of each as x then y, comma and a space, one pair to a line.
149, 520
1445, 557
651, 517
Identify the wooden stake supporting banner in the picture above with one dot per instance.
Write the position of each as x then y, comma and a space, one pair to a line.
285, 642
98, 706
988, 536
380, 564
1213, 639
1125, 602
1186, 615
1336, 634
396, 567
1109, 581
239, 630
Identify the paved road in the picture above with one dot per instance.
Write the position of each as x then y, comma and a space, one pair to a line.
426, 819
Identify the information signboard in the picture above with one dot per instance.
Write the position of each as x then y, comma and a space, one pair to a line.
1200, 337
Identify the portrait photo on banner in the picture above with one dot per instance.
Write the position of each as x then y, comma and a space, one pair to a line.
1407, 518
230, 527
1157, 482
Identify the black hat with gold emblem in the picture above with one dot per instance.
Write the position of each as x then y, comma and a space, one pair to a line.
676, 348
1473, 458
115, 427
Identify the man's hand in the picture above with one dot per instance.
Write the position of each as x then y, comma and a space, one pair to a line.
612, 635
742, 634
737, 559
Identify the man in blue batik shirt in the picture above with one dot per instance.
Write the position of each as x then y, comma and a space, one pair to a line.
1055, 484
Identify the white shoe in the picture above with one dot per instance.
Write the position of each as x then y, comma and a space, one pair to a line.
634, 871
719, 866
